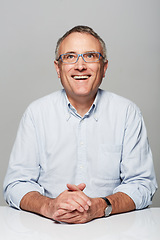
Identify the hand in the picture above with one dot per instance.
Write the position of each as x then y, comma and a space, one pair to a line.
71, 206
79, 214
72, 199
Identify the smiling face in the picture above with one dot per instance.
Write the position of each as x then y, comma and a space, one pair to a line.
80, 80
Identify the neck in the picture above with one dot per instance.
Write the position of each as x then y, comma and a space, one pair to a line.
82, 104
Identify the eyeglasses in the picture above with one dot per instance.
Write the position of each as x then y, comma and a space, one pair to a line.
89, 57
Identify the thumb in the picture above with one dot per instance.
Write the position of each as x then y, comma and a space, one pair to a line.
81, 186
73, 187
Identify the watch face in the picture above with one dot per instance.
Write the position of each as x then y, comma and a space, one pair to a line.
108, 211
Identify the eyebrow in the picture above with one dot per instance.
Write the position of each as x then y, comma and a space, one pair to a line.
70, 52
90, 51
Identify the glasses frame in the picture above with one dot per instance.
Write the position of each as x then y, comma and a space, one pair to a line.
80, 55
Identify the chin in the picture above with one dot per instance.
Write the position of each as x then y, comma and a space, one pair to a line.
83, 94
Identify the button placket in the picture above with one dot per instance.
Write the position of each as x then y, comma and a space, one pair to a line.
81, 166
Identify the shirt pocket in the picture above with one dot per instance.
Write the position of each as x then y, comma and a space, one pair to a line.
109, 158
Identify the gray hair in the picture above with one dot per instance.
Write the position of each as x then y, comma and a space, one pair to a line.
82, 29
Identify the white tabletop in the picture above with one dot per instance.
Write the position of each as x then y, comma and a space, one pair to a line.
142, 225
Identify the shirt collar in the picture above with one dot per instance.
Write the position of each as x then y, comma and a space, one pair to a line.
93, 109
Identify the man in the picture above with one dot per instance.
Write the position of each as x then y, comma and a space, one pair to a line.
80, 153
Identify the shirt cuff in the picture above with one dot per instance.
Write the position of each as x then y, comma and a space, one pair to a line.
17, 192
140, 195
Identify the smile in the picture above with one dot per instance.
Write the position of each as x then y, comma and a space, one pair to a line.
77, 77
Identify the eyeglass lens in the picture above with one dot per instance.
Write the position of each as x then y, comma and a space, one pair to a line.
87, 57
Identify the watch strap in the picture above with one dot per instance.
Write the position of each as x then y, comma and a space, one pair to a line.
106, 200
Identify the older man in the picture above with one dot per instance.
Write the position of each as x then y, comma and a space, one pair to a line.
81, 152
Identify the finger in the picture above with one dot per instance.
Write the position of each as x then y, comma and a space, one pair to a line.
81, 186
84, 197
71, 200
73, 217
60, 212
68, 206
66, 216
78, 197
74, 204
82, 200
73, 187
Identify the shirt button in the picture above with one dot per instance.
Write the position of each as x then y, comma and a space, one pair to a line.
95, 116
82, 143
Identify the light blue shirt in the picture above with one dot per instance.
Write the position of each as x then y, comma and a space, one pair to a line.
107, 149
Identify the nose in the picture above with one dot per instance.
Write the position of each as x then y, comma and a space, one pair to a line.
80, 64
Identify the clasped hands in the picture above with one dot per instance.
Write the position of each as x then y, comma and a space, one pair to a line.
72, 205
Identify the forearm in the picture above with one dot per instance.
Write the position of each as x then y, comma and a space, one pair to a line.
67, 201
121, 202
37, 203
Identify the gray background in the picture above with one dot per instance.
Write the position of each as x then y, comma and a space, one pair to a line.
29, 30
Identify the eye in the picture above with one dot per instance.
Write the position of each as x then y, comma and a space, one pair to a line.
90, 55
70, 56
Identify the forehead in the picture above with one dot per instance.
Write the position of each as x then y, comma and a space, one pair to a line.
80, 43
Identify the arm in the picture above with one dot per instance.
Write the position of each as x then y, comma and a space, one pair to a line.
74, 206
136, 169
24, 164
68, 200
137, 174
120, 203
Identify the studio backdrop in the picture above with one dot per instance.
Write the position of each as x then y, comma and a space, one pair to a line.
29, 30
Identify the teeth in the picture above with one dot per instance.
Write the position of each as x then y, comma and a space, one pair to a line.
80, 77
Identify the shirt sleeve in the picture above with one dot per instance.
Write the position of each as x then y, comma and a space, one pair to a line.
24, 168
137, 170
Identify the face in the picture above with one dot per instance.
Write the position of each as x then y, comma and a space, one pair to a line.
81, 79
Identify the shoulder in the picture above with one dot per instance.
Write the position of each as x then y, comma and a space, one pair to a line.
117, 103
46, 104
48, 100
52, 98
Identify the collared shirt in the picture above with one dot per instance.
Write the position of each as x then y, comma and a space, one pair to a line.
107, 149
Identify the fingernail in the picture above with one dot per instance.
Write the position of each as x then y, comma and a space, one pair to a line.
86, 207
81, 209
89, 203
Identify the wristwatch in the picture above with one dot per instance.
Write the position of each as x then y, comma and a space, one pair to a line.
108, 209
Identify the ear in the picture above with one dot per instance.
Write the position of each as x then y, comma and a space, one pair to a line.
105, 68
56, 65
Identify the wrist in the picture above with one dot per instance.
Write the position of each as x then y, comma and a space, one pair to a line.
98, 207
47, 207
108, 208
